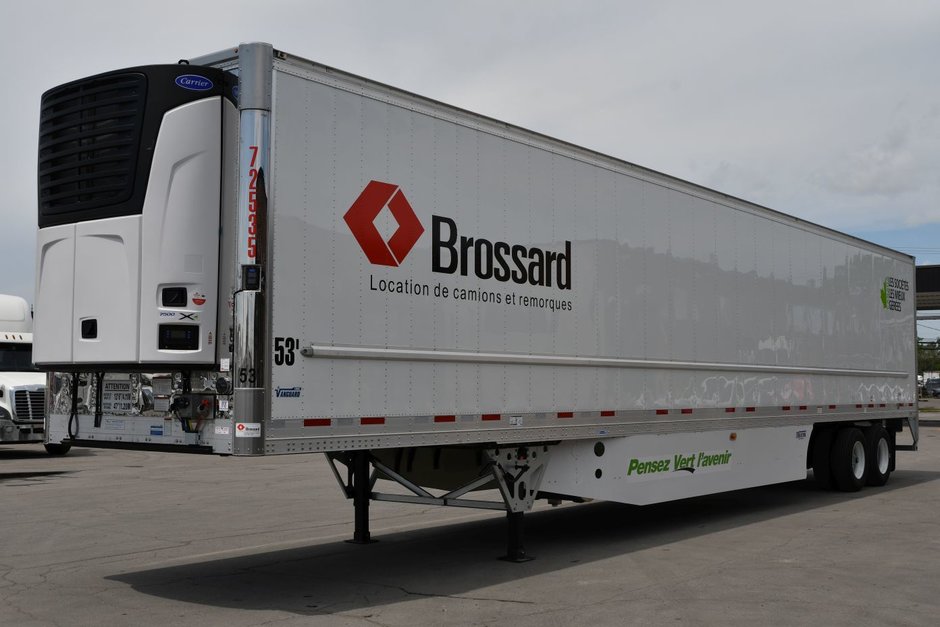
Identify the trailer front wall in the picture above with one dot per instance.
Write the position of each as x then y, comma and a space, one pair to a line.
679, 297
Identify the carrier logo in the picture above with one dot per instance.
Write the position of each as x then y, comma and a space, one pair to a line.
293, 392
194, 82
361, 221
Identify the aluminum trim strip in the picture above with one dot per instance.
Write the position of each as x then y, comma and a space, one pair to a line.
394, 354
553, 433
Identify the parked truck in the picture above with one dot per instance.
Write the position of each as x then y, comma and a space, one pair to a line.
286, 258
22, 386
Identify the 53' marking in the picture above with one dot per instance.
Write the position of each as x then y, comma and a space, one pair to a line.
284, 350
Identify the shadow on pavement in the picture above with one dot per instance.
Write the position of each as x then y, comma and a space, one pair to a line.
459, 560
36, 451
38, 474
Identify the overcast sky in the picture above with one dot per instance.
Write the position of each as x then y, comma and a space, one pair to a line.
829, 111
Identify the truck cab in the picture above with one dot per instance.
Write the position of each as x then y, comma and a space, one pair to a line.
22, 385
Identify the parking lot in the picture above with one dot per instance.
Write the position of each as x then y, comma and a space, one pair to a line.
108, 537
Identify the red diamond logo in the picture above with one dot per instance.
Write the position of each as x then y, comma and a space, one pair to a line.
361, 221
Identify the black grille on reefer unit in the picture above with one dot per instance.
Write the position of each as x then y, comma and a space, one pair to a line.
89, 136
29, 404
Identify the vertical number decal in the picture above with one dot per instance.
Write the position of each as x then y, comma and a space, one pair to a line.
253, 203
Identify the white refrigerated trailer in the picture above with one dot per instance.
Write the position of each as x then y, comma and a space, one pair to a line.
254, 254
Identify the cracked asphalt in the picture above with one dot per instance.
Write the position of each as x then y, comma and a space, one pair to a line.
107, 537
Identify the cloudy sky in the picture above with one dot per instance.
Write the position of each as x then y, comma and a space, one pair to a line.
829, 111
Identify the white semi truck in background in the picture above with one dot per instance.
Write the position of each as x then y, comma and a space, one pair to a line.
285, 258
22, 385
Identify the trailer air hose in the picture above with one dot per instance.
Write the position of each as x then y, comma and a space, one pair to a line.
99, 386
73, 417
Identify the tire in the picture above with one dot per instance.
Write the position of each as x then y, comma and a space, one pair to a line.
847, 460
819, 458
57, 449
879, 455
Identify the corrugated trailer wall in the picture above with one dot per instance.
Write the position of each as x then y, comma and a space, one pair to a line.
679, 298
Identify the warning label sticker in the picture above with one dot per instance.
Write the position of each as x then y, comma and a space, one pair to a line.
114, 424
116, 396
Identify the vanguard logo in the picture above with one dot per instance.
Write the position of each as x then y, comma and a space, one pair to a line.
287, 392
361, 221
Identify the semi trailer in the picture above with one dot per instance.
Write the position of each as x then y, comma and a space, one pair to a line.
22, 385
249, 253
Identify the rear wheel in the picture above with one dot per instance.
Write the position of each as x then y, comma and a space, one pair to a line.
847, 460
879, 455
57, 449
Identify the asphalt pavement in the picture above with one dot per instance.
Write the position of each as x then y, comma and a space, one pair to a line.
109, 537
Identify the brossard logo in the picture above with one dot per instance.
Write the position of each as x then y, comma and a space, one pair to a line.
451, 253
361, 217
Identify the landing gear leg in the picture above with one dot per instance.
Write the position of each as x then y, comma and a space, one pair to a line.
515, 551
518, 473
361, 488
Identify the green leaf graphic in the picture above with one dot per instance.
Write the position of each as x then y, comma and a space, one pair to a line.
884, 294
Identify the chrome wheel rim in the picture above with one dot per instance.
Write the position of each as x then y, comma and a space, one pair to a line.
882, 455
858, 460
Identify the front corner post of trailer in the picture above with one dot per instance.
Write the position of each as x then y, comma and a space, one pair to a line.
518, 473
254, 104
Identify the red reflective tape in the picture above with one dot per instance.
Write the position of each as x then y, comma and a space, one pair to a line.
871, 404
566, 414
372, 420
491, 417
750, 409
832, 407
858, 406
729, 410
662, 412
607, 413
881, 405
317, 422
447, 418
786, 408
802, 407
686, 411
